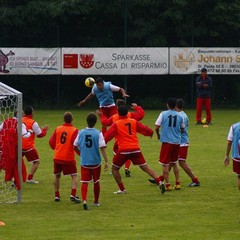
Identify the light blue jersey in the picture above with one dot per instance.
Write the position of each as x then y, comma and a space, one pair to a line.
184, 135
104, 96
170, 122
236, 140
88, 144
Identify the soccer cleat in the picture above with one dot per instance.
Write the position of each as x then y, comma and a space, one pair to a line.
120, 192
177, 187
96, 204
198, 123
153, 181
85, 206
127, 173
32, 181
209, 123
162, 187
57, 199
193, 184
169, 188
75, 199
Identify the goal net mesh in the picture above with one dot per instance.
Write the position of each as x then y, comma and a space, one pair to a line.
10, 104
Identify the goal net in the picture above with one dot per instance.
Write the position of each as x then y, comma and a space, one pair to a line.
10, 144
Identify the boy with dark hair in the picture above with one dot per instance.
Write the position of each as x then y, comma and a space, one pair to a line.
138, 114
88, 142
28, 144
104, 93
183, 149
204, 91
172, 126
125, 132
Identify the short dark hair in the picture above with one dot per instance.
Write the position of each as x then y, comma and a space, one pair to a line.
99, 80
171, 102
28, 110
120, 102
180, 103
203, 70
68, 117
91, 119
122, 110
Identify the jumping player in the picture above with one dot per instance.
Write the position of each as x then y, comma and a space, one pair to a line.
104, 93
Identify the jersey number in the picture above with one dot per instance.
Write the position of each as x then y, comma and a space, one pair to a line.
129, 128
172, 121
88, 141
63, 138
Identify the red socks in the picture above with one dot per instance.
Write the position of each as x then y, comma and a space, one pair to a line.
121, 186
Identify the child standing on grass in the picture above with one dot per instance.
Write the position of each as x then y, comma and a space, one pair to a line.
61, 142
89, 141
233, 141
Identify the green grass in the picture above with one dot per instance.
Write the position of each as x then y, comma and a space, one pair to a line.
208, 212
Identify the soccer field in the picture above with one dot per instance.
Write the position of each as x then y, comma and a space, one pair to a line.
210, 211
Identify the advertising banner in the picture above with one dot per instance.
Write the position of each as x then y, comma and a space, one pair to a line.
30, 61
118, 61
114, 61
215, 60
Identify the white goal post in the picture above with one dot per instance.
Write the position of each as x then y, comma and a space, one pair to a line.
10, 103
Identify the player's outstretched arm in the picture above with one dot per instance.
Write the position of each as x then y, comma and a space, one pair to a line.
40, 132
144, 130
124, 94
89, 96
139, 112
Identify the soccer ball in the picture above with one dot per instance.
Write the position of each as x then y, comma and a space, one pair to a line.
204, 121
89, 82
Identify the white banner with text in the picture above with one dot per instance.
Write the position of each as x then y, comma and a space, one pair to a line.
30, 61
118, 61
114, 61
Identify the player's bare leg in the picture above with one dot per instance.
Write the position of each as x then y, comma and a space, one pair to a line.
74, 181
154, 175
127, 166
177, 177
165, 169
118, 179
73, 196
187, 169
189, 172
56, 184
33, 169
